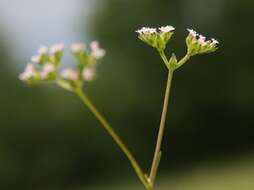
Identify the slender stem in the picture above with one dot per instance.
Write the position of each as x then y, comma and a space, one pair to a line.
183, 60
157, 154
116, 138
164, 58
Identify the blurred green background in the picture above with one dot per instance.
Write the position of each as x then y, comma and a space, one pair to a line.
48, 140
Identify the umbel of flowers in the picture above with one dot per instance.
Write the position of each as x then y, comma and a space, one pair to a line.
158, 38
44, 65
44, 68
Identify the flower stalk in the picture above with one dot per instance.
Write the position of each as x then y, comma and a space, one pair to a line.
158, 152
105, 124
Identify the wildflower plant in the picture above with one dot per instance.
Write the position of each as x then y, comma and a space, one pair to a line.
44, 68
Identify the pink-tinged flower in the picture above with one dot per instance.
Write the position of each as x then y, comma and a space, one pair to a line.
96, 51
202, 40
78, 47
88, 74
166, 29
70, 74
28, 73
46, 70
43, 50
56, 48
146, 30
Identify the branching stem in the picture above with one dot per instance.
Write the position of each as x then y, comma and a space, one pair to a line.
116, 138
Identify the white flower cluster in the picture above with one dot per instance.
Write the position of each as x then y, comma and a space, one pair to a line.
28, 73
44, 52
162, 29
44, 64
47, 59
147, 31
198, 44
87, 74
156, 37
96, 51
201, 39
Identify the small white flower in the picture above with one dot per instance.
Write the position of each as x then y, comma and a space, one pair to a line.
56, 48
96, 51
42, 50
36, 58
88, 74
146, 30
193, 33
166, 29
46, 70
70, 74
215, 42
28, 72
78, 47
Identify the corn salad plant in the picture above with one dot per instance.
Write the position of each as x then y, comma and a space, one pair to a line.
44, 68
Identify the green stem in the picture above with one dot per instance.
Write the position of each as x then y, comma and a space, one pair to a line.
116, 138
164, 58
183, 60
157, 154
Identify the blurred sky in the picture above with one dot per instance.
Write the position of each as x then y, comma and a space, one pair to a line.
28, 23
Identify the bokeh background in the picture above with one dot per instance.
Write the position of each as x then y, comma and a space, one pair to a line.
49, 141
